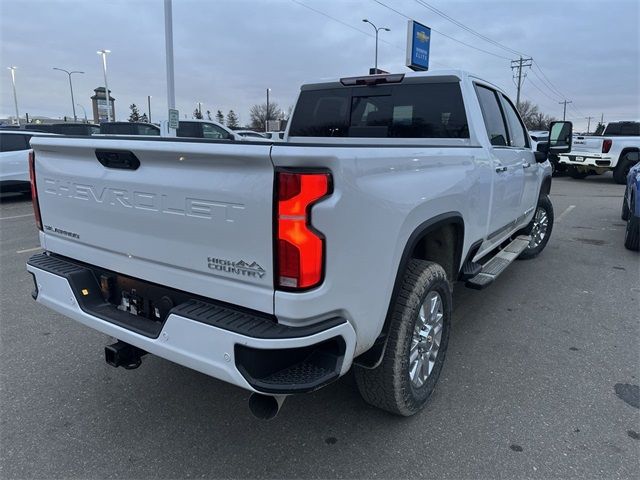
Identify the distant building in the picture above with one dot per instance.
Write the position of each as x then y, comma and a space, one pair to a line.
99, 102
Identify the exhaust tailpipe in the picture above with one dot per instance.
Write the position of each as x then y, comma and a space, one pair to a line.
265, 407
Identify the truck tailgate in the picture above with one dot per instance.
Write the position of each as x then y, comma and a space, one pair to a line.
587, 144
195, 216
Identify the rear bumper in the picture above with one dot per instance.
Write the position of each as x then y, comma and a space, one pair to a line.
258, 355
600, 160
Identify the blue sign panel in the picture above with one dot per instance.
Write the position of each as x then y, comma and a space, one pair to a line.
418, 41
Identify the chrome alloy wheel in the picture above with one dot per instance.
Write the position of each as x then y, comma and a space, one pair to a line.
540, 227
427, 335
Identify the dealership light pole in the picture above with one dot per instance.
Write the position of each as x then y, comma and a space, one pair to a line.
73, 103
266, 115
15, 97
377, 30
106, 85
168, 46
149, 107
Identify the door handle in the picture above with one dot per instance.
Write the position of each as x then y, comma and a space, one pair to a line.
501, 169
526, 164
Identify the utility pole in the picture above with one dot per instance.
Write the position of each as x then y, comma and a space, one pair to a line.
149, 107
588, 123
519, 65
564, 111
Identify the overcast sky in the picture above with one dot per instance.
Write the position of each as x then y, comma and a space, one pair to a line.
228, 52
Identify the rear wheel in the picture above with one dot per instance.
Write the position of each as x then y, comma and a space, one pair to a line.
416, 345
539, 228
632, 232
625, 207
622, 169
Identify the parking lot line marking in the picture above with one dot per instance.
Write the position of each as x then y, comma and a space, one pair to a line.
27, 250
569, 208
17, 216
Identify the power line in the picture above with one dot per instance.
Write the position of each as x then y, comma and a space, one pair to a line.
368, 34
551, 85
469, 29
542, 91
443, 34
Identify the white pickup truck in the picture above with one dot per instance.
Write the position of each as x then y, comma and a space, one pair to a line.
618, 149
277, 267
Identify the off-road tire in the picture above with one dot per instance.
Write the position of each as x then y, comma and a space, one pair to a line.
624, 215
622, 170
534, 250
632, 232
388, 386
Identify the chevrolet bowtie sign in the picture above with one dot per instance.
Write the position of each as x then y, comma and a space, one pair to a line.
418, 41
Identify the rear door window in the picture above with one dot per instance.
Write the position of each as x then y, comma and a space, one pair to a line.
517, 135
429, 110
492, 114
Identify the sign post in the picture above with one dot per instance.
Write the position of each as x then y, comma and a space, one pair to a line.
174, 118
418, 42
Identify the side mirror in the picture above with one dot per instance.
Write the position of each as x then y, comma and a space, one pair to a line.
542, 152
560, 137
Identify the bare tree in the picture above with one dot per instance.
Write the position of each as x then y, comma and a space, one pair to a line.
208, 114
259, 115
533, 118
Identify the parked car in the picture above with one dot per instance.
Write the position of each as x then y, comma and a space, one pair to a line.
538, 136
250, 134
205, 129
275, 135
631, 209
618, 149
14, 160
278, 266
75, 129
129, 128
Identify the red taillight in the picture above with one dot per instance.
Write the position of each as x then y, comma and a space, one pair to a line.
606, 145
300, 248
34, 189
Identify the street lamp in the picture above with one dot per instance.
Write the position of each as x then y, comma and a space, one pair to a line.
73, 103
106, 85
266, 115
15, 97
377, 30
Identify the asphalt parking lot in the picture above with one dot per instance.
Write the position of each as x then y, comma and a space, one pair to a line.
538, 381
